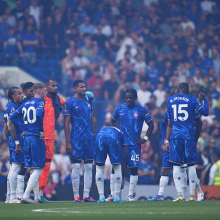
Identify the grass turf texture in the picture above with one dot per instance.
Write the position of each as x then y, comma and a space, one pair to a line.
127, 210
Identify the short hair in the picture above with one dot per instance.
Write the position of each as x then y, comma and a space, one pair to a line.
174, 90
133, 92
77, 82
27, 85
184, 87
47, 81
37, 86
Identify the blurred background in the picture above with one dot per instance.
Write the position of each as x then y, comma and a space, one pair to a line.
148, 45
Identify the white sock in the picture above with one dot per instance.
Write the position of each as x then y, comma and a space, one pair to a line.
41, 193
192, 180
118, 180
36, 191
112, 184
163, 183
198, 188
75, 178
33, 181
20, 186
133, 183
100, 180
15, 167
177, 179
8, 185
184, 181
87, 179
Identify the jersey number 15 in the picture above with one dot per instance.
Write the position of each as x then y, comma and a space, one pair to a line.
180, 111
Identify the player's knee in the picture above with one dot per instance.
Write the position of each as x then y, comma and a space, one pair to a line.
165, 171
134, 171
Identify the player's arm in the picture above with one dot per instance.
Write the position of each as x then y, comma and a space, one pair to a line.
198, 127
204, 110
40, 118
169, 130
12, 130
93, 123
150, 123
62, 101
6, 130
67, 133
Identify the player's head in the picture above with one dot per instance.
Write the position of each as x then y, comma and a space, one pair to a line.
15, 95
183, 88
28, 90
79, 87
39, 90
130, 97
51, 85
174, 91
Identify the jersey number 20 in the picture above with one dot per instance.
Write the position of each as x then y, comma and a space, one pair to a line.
27, 119
180, 111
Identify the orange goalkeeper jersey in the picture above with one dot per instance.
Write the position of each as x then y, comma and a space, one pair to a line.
49, 117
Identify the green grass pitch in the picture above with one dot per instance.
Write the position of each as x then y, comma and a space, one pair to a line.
206, 210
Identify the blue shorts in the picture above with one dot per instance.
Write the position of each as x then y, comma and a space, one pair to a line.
16, 157
108, 146
34, 152
133, 155
83, 150
183, 151
166, 163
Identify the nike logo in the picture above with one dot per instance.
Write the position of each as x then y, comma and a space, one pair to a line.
77, 106
122, 113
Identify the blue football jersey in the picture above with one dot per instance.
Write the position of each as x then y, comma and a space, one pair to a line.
81, 121
112, 132
10, 109
182, 110
32, 112
131, 121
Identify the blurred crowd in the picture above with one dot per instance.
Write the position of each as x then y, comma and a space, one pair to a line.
148, 45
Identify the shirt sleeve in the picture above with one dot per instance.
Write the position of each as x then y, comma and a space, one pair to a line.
146, 115
14, 117
66, 109
204, 110
115, 114
40, 115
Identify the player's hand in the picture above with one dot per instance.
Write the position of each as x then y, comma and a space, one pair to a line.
69, 148
42, 135
164, 141
22, 134
168, 147
201, 96
18, 149
140, 141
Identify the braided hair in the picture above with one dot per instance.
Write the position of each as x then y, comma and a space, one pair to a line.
11, 92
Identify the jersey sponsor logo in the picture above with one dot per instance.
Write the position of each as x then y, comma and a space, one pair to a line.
41, 105
135, 115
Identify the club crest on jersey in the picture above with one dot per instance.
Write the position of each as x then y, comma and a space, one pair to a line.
12, 109
135, 115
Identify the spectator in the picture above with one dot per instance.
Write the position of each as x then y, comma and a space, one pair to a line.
35, 11
86, 27
87, 48
153, 73
160, 94
146, 170
30, 43
81, 63
99, 37
139, 63
214, 177
143, 94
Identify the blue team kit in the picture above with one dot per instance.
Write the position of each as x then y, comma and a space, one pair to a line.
131, 123
34, 148
109, 141
14, 157
82, 136
182, 110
